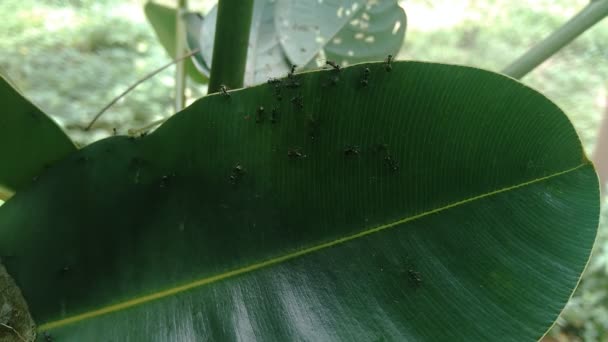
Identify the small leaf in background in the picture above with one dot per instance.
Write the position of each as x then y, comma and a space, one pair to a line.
370, 35
29, 140
265, 58
345, 31
162, 19
194, 23
434, 203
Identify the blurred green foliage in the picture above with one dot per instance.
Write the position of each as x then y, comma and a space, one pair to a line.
71, 57
492, 34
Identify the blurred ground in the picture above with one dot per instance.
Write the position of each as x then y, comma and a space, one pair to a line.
71, 57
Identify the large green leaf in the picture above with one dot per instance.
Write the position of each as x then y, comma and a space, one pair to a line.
345, 31
265, 58
436, 203
163, 22
29, 140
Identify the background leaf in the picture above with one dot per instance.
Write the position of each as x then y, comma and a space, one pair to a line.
194, 23
162, 19
362, 211
29, 140
265, 58
341, 30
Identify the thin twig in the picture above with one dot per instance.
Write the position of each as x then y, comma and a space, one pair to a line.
14, 331
153, 73
136, 131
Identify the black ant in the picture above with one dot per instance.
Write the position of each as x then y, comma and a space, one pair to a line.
365, 79
277, 91
224, 90
391, 163
292, 71
274, 115
277, 86
333, 65
414, 277
295, 153
259, 115
164, 181
298, 101
387, 63
237, 173
350, 151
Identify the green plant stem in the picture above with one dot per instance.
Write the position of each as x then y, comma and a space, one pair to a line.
231, 43
589, 16
180, 47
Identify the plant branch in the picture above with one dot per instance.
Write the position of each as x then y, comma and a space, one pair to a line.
140, 81
589, 16
231, 43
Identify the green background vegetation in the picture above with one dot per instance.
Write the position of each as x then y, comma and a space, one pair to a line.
71, 57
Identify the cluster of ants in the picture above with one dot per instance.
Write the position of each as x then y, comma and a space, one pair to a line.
291, 82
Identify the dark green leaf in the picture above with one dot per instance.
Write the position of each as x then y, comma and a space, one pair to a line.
345, 31
436, 203
162, 19
29, 139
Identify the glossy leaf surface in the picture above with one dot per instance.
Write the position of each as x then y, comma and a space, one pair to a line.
435, 203
29, 139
